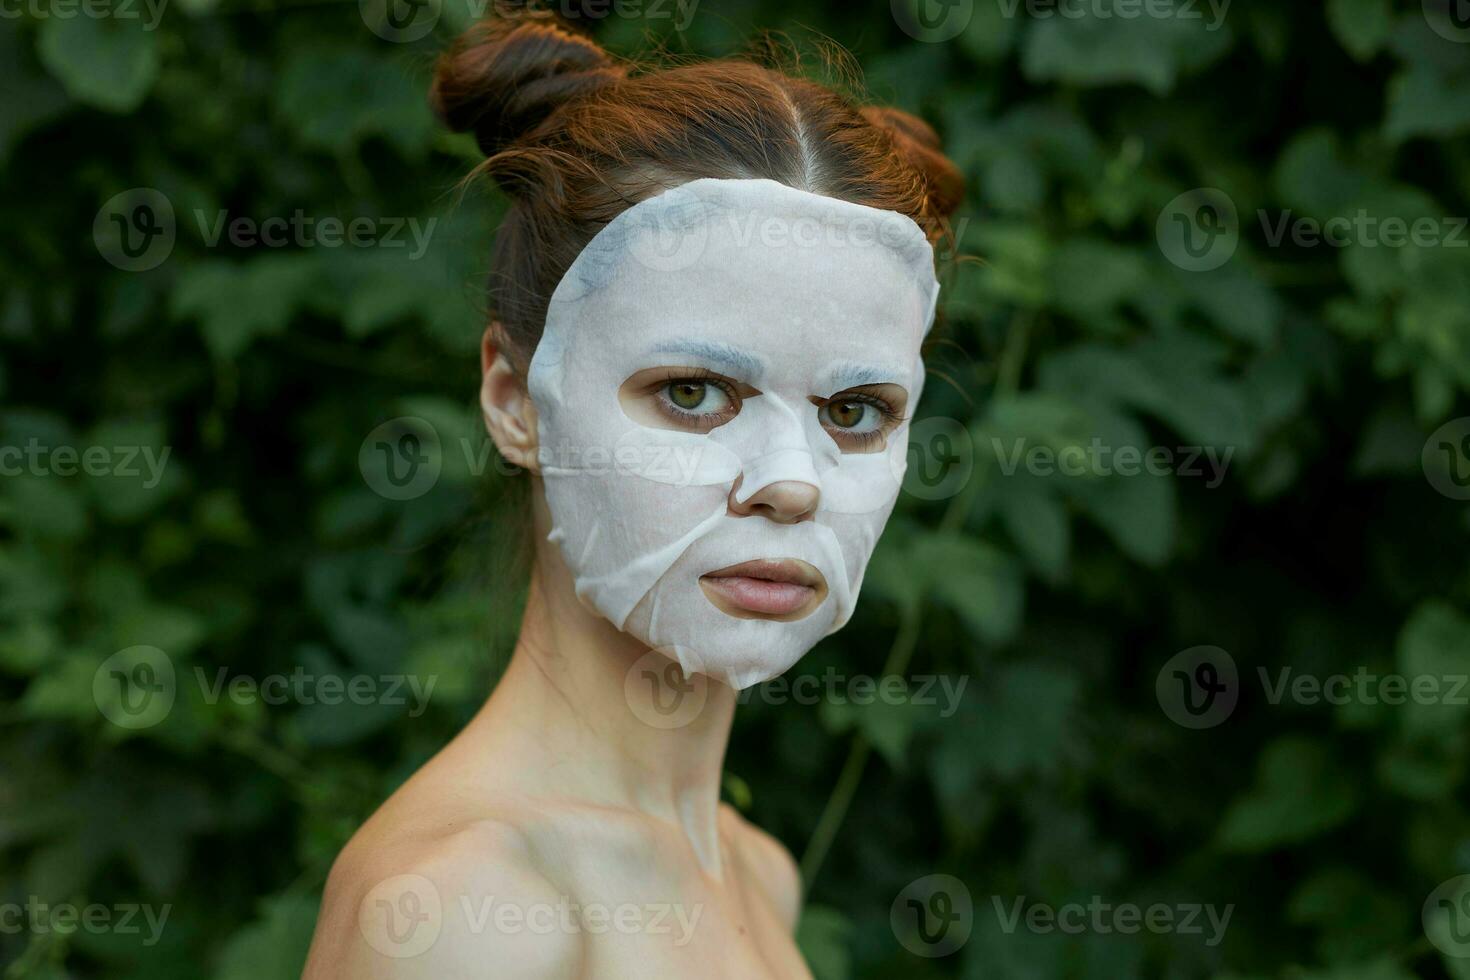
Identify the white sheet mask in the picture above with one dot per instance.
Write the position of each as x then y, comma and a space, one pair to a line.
797, 295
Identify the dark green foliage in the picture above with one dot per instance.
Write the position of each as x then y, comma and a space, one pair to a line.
1323, 549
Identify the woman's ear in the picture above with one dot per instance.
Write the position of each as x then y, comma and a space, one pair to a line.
510, 418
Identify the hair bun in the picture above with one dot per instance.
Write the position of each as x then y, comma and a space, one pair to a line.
920, 146
502, 78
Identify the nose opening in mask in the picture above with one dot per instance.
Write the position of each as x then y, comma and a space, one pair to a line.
781, 466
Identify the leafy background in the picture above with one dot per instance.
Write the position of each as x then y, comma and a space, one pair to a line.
1059, 778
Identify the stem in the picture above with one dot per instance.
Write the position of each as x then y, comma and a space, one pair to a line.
904, 643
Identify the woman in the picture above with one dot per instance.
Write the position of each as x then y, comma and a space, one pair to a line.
709, 293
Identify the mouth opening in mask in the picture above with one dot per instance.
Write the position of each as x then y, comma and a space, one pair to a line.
780, 589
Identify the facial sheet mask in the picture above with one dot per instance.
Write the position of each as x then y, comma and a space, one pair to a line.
797, 295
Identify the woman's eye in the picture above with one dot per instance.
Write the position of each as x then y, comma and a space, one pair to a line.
696, 396
851, 416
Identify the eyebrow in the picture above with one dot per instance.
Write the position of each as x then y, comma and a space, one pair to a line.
854, 375
730, 360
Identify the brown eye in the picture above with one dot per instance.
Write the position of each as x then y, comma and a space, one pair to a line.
846, 415
688, 395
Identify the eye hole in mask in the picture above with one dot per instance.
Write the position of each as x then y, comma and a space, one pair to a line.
686, 399
860, 419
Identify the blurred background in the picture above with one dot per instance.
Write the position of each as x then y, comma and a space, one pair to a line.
1177, 589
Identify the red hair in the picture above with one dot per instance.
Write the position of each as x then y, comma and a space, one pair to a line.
575, 137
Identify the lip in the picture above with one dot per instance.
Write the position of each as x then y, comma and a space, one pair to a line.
780, 589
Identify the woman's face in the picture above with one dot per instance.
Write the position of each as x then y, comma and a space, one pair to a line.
722, 390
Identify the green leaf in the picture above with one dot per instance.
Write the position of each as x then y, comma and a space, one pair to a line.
1108, 48
27, 98
1434, 655
107, 62
1423, 102
273, 947
1361, 26
1026, 720
237, 302
334, 96
1301, 791
983, 584
825, 938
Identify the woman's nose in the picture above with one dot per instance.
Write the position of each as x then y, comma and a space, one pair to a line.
785, 501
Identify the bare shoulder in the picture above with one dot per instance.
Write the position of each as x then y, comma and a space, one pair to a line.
403, 903
770, 862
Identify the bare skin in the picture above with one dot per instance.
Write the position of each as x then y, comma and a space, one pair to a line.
567, 832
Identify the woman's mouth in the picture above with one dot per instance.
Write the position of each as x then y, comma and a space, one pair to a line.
780, 588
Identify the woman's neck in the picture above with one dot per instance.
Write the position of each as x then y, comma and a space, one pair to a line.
595, 716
